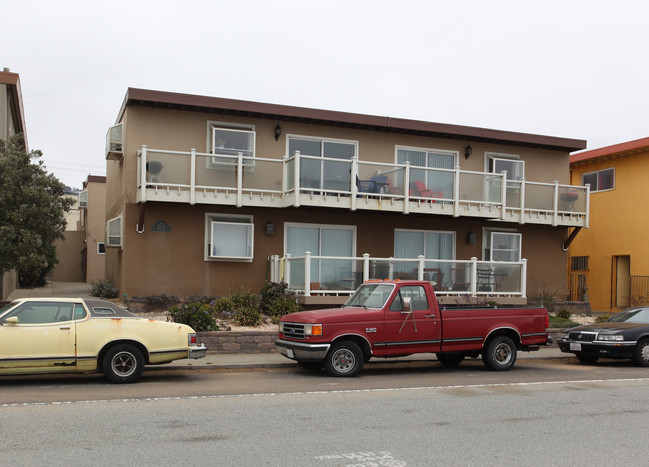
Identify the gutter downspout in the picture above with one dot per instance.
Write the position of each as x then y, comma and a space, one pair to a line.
139, 228
565, 245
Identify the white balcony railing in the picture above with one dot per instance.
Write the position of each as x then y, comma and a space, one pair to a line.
299, 180
328, 275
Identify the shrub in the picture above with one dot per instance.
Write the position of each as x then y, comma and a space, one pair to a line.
281, 306
276, 300
602, 318
104, 289
197, 315
159, 302
246, 308
564, 314
546, 298
223, 307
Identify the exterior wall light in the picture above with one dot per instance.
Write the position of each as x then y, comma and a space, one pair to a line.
278, 132
269, 228
467, 151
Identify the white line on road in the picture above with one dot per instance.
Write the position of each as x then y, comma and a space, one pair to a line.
338, 391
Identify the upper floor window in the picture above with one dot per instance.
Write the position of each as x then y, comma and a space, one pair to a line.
439, 183
231, 140
600, 180
229, 237
327, 163
515, 168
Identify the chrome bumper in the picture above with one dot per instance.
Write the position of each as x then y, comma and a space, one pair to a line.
198, 351
302, 351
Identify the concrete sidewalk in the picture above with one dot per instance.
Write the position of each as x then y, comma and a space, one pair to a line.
54, 289
215, 360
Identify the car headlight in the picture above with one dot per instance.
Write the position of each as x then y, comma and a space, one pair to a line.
610, 337
565, 335
313, 329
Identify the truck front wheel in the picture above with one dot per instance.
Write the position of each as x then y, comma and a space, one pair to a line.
499, 354
344, 359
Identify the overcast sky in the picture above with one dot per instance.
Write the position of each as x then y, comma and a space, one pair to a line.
575, 69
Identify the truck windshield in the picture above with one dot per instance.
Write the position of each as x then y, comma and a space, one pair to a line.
370, 296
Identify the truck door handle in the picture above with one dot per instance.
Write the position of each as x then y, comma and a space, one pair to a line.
429, 316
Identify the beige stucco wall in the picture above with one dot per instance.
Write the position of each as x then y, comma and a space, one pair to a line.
173, 262
68, 252
95, 219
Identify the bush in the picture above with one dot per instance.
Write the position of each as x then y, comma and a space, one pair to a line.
602, 318
197, 315
159, 302
276, 301
246, 309
564, 314
281, 306
546, 298
104, 289
223, 307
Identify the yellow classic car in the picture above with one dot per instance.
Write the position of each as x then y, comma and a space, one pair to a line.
52, 335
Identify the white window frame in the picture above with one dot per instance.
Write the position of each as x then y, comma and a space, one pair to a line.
212, 219
398, 148
83, 199
115, 241
493, 157
487, 235
451, 232
216, 162
320, 227
597, 189
99, 252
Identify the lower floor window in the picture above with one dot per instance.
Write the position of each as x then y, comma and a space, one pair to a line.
229, 237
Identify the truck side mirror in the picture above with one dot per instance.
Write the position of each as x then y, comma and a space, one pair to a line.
407, 305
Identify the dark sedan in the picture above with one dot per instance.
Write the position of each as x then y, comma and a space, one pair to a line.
625, 335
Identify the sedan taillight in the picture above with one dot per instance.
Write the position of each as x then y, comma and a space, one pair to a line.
193, 339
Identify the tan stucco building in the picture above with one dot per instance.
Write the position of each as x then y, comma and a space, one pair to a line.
207, 195
12, 122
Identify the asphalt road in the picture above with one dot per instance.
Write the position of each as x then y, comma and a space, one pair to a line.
540, 413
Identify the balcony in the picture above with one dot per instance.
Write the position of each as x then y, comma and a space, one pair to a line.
327, 279
300, 180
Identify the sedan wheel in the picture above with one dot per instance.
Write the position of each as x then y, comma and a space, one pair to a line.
641, 356
123, 363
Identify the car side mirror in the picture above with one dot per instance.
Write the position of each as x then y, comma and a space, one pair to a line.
12, 320
407, 306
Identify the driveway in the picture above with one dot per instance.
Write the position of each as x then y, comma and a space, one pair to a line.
54, 289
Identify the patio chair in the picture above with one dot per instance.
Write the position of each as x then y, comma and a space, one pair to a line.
486, 280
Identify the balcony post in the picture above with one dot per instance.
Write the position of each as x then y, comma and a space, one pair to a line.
391, 268
503, 195
287, 269
456, 192
522, 202
420, 268
366, 267
524, 278
587, 219
474, 275
296, 180
239, 179
307, 273
354, 186
192, 177
284, 178
406, 188
555, 204
143, 173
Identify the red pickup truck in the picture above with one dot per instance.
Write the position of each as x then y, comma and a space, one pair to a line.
397, 318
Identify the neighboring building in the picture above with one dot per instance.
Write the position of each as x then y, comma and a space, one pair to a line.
81, 253
93, 219
610, 261
207, 195
73, 216
12, 122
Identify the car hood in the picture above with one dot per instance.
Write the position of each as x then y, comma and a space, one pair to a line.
608, 327
339, 315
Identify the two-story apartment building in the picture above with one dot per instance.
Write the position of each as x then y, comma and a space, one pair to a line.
206, 195
12, 122
610, 261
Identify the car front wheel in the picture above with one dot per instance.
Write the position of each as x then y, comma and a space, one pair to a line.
344, 359
123, 363
641, 355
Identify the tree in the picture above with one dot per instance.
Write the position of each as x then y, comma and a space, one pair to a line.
32, 210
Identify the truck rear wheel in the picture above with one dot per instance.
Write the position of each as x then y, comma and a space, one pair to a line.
499, 354
344, 359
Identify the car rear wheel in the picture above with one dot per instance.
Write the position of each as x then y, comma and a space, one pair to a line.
499, 354
344, 359
123, 363
641, 355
